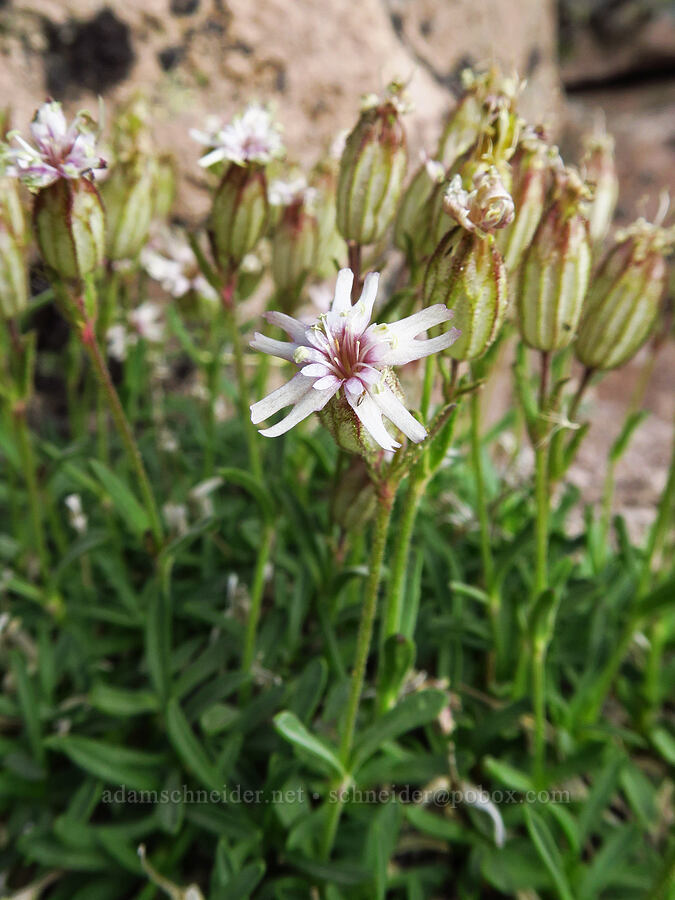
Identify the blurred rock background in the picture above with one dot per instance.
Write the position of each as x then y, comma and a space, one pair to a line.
314, 58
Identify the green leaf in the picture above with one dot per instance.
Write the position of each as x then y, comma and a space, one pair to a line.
633, 421
190, 751
381, 844
664, 743
602, 870
291, 729
121, 702
604, 787
29, 705
507, 774
398, 656
158, 639
309, 689
243, 884
548, 852
260, 494
126, 504
179, 544
411, 712
439, 826
115, 764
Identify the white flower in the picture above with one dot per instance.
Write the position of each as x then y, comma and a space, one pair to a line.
176, 518
342, 351
60, 150
435, 168
201, 494
286, 193
487, 207
251, 137
169, 260
76, 515
118, 340
147, 321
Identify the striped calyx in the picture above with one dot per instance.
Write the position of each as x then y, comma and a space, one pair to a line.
623, 301
466, 273
600, 173
13, 271
555, 271
239, 214
69, 225
294, 249
128, 195
371, 175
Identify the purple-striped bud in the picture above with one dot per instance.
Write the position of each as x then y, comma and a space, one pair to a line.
372, 170
13, 274
624, 297
69, 226
599, 172
239, 214
128, 194
294, 248
555, 270
466, 273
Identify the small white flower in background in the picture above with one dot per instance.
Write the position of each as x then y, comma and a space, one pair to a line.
201, 494
76, 516
168, 441
169, 259
251, 264
343, 351
176, 517
251, 137
117, 341
395, 94
337, 147
58, 151
220, 409
435, 168
147, 321
286, 193
480, 799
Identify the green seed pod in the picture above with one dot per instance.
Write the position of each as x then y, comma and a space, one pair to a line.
467, 274
410, 226
165, 186
128, 194
239, 214
623, 300
69, 226
600, 174
11, 209
530, 183
13, 274
371, 176
348, 431
555, 272
294, 247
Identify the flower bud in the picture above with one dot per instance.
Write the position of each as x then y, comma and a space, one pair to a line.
372, 170
128, 195
487, 208
294, 247
600, 174
410, 227
330, 244
623, 300
467, 274
13, 275
530, 182
355, 500
11, 210
239, 214
70, 227
555, 271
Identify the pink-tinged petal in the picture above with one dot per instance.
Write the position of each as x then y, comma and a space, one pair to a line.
342, 299
395, 411
328, 381
363, 310
313, 401
215, 156
407, 351
269, 345
315, 370
354, 386
294, 329
371, 419
288, 393
420, 321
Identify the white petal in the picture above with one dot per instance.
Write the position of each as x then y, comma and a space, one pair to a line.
315, 370
294, 329
354, 386
363, 310
396, 412
313, 401
215, 156
265, 344
411, 326
288, 393
406, 351
342, 299
371, 419
328, 381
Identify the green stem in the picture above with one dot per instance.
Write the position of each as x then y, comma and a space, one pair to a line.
542, 517
28, 464
363, 641
539, 704
252, 438
257, 590
108, 388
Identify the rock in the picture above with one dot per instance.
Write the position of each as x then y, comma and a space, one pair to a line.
313, 60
